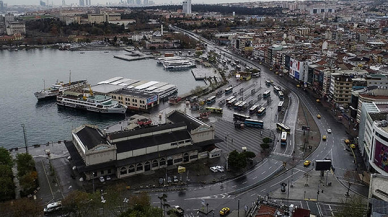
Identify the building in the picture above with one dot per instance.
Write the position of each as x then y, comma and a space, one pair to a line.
184, 139
81, 2
186, 7
135, 94
373, 136
1, 5
369, 96
15, 27
341, 85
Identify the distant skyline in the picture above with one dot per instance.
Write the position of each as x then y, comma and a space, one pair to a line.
103, 2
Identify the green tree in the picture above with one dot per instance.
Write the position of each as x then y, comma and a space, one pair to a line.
236, 160
7, 190
23, 207
249, 154
5, 157
25, 163
264, 146
267, 140
81, 204
352, 206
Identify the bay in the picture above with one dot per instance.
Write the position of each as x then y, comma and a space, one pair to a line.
22, 73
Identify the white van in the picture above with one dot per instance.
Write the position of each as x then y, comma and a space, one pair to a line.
53, 207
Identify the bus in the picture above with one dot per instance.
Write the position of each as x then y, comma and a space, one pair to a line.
281, 95
261, 111
214, 110
253, 109
237, 104
266, 94
229, 90
211, 100
254, 123
283, 139
231, 102
240, 117
276, 89
282, 127
242, 106
229, 98
280, 106
268, 83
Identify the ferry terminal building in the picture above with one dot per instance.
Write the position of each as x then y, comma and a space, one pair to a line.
121, 154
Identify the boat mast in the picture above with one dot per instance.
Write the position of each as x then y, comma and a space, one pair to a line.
70, 77
44, 84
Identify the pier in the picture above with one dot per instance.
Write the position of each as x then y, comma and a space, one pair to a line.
203, 73
133, 55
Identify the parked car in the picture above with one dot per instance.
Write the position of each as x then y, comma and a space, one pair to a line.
220, 168
108, 178
102, 179
169, 179
176, 179
213, 169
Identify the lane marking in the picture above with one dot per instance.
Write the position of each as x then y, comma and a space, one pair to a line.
253, 194
244, 183
254, 178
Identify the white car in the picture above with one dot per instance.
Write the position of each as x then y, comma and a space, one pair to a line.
220, 168
328, 130
108, 178
213, 169
102, 179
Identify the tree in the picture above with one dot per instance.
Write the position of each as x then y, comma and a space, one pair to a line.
23, 207
267, 140
264, 146
81, 203
249, 154
25, 164
236, 160
5, 157
354, 206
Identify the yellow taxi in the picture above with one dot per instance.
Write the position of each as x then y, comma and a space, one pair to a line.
352, 146
307, 163
318, 116
318, 100
297, 85
347, 141
324, 137
224, 211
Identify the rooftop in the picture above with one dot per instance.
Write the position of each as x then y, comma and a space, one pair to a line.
91, 137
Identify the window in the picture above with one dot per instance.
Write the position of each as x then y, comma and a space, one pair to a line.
123, 170
162, 162
102, 172
131, 169
174, 143
109, 171
139, 167
155, 163
193, 156
178, 160
181, 142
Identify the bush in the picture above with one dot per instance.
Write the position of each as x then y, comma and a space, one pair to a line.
249, 154
267, 140
264, 146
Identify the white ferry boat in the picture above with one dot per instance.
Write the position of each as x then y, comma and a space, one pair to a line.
94, 103
57, 88
178, 64
161, 60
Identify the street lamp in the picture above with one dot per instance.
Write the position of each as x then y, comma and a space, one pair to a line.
93, 180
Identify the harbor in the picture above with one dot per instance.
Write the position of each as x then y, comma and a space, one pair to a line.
132, 55
22, 79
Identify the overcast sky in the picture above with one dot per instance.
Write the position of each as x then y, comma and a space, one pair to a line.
68, 2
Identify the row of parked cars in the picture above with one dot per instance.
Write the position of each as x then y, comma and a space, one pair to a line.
217, 169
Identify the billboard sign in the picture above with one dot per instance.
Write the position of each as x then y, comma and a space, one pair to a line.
322, 165
152, 99
381, 156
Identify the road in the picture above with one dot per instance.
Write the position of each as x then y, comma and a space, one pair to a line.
226, 193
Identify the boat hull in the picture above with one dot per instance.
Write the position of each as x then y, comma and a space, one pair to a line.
121, 110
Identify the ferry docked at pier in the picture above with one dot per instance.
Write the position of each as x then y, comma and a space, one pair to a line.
178, 64
57, 88
91, 102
